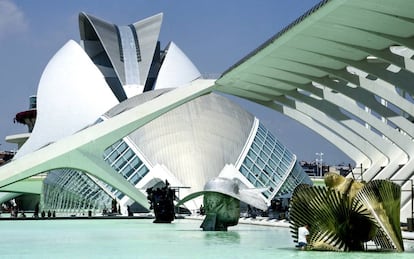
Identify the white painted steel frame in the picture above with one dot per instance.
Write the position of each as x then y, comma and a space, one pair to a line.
343, 70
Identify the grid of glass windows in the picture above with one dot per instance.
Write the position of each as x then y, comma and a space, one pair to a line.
124, 160
68, 191
296, 177
267, 164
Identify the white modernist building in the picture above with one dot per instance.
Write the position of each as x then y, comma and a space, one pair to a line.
343, 69
110, 125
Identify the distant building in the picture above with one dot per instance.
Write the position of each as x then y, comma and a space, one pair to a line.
313, 169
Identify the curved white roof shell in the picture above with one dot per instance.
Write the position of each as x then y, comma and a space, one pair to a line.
195, 140
176, 70
64, 97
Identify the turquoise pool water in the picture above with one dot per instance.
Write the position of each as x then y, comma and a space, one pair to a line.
140, 238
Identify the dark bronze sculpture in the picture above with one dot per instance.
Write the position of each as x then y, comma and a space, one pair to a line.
162, 201
221, 200
347, 213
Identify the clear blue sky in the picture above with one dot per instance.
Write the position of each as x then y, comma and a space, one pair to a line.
214, 34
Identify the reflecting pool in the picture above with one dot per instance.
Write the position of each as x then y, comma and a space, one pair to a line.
140, 238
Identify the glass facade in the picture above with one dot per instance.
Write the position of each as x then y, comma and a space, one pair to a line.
69, 191
125, 161
269, 164
73, 192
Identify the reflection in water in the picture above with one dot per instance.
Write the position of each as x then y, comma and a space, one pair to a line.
222, 237
143, 239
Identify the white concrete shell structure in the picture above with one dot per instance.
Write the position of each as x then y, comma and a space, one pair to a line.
62, 106
170, 74
343, 69
186, 135
192, 144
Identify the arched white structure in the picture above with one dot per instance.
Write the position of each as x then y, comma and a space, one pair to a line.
68, 84
176, 69
343, 69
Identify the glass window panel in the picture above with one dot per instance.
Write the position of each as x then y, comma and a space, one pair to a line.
120, 163
259, 138
248, 163
122, 147
128, 154
244, 170
288, 155
260, 182
275, 157
279, 146
107, 152
127, 171
272, 164
255, 147
263, 155
261, 127
143, 171
138, 175
252, 154
269, 142
111, 148
251, 178
286, 160
135, 178
264, 179
267, 149
260, 162
256, 170
113, 156
267, 170
280, 171
136, 162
